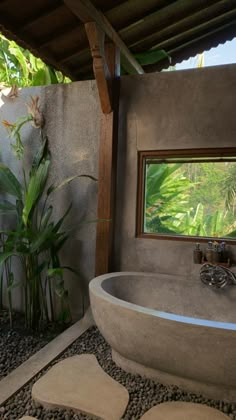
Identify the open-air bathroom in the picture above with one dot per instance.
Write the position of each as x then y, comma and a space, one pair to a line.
117, 213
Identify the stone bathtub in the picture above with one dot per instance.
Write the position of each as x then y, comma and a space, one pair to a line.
174, 331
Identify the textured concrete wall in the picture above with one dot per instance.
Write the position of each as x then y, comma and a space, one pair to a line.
72, 126
184, 109
170, 110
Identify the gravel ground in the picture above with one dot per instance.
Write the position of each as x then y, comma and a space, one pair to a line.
143, 393
17, 345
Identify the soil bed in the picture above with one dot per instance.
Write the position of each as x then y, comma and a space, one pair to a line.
143, 393
18, 344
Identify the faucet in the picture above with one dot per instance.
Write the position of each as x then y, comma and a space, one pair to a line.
217, 276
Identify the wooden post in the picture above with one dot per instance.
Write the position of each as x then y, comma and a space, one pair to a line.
106, 65
87, 13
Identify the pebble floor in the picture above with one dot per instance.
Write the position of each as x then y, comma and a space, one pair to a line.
17, 344
143, 393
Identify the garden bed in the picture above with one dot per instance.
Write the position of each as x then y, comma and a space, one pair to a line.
18, 344
143, 393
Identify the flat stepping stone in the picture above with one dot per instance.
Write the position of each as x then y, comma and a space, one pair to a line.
28, 418
183, 411
80, 384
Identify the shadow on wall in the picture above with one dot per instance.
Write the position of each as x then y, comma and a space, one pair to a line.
78, 254
121, 169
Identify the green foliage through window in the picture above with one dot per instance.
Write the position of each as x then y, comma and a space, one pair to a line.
190, 197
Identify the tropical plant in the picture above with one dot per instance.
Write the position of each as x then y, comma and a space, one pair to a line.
228, 188
190, 199
36, 239
165, 197
21, 68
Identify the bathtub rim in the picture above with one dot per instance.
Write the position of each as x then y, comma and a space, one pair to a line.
95, 287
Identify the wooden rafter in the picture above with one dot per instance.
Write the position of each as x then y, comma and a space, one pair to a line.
163, 18
182, 25
50, 11
87, 12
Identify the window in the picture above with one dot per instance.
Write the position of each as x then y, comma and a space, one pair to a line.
187, 194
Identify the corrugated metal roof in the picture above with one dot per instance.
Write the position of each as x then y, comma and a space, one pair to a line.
182, 28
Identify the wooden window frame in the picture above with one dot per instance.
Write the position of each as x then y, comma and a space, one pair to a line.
167, 154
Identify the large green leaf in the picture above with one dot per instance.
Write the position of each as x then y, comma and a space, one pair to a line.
44, 76
66, 181
9, 183
41, 154
35, 189
18, 53
53, 76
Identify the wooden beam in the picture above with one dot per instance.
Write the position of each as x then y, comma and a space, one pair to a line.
87, 12
101, 72
107, 168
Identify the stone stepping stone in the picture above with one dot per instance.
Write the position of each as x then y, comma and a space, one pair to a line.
80, 384
183, 411
28, 418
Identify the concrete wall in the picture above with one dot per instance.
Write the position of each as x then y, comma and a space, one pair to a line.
194, 108
72, 126
170, 110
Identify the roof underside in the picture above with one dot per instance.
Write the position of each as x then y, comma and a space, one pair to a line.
182, 28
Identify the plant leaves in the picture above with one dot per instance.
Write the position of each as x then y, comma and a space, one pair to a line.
46, 217
59, 223
35, 189
58, 271
18, 53
151, 57
7, 208
9, 183
5, 255
43, 240
52, 74
42, 153
60, 242
66, 181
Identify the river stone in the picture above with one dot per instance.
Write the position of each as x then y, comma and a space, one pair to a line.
79, 384
183, 411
